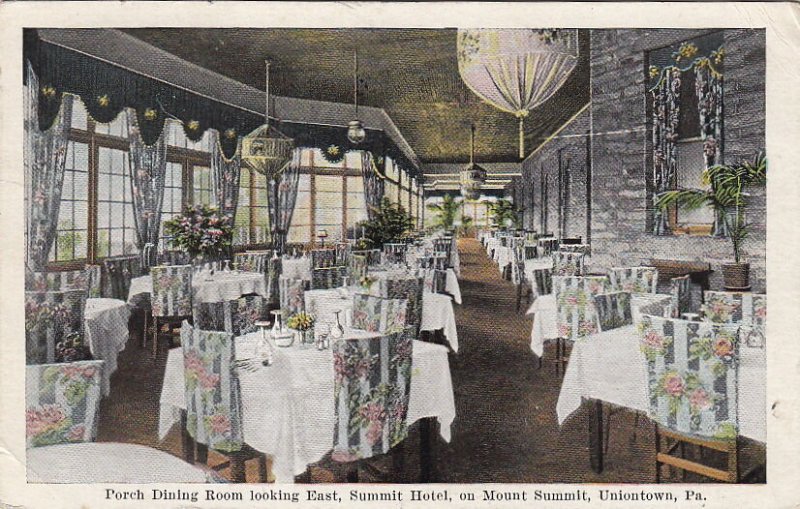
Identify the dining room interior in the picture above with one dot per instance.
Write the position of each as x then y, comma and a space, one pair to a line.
395, 255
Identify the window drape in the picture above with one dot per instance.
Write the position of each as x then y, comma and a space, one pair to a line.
283, 194
709, 89
373, 184
44, 159
666, 108
148, 165
225, 174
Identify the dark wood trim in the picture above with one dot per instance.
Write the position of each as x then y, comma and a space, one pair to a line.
344, 206
312, 204
91, 220
252, 219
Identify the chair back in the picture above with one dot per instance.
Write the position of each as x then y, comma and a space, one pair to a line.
56, 281
358, 267
435, 280
119, 271
735, 307
343, 252
394, 253
372, 381
410, 290
252, 262
575, 248
237, 316
213, 397
613, 310
568, 264
94, 281
692, 375
376, 314
576, 314
49, 318
680, 289
373, 256
325, 278
172, 290
174, 257
633, 279
62, 402
542, 283
530, 252
292, 295
321, 258
546, 247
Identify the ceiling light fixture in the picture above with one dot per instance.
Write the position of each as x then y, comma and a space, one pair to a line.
355, 129
472, 177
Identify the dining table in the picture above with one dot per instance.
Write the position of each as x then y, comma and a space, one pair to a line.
609, 368
109, 462
220, 287
107, 334
288, 406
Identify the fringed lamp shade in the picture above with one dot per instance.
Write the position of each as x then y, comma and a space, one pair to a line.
266, 153
516, 70
472, 177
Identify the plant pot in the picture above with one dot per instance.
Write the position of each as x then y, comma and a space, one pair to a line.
736, 276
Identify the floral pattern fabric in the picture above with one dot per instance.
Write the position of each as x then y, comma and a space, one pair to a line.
409, 289
292, 294
321, 258
435, 280
376, 314
372, 380
680, 289
709, 90
328, 277
45, 154
213, 397
633, 279
119, 271
613, 310
62, 402
542, 282
394, 253
743, 308
343, 251
666, 111
225, 176
57, 281
148, 165
358, 267
568, 264
373, 184
546, 247
172, 290
283, 194
692, 375
49, 318
576, 314
252, 262
238, 316
576, 248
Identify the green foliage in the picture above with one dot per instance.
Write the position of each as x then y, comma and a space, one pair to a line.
503, 214
445, 212
390, 223
725, 195
201, 230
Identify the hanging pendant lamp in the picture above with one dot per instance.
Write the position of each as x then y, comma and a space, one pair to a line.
472, 176
355, 129
267, 150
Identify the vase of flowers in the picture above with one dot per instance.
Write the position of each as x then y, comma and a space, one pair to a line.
202, 231
303, 325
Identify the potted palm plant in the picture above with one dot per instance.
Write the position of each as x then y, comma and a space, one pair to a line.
389, 223
503, 214
445, 212
725, 193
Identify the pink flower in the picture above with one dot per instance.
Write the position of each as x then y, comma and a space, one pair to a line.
39, 197
723, 347
76, 433
42, 420
673, 385
654, 340
699, 399
564, 331
374, 433
208, 380
219, 424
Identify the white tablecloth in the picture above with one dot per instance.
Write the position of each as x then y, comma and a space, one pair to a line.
452, 287
296, 268
288, 407
535, 264
223, 286
437, 310
609, 366
107, 333
108, 462
544, 311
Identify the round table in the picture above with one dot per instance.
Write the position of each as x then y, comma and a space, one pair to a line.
108, 462
223, 286
107, 333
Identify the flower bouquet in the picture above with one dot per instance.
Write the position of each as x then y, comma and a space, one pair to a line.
303, 323
201, 230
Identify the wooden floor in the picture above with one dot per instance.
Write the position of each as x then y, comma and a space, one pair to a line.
505, 429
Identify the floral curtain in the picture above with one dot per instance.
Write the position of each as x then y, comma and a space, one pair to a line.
148, 165
225, 176
708, 86
283, 194
373, 183
44, 159
666, 108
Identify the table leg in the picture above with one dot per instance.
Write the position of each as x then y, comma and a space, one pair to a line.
186, 441
596, 435
427, 445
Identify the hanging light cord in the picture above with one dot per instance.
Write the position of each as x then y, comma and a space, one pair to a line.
355, 80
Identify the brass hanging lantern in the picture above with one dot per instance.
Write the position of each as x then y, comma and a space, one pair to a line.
267, 150
472, 176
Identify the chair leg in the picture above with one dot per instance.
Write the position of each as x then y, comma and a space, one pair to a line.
144, 330
658, 450
519, 296
607, 432
262, 468
733, 461
155, 337
202, 453
238, 473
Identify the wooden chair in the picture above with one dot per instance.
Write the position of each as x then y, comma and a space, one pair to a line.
50, 317
62, 402
568, 264
213, 416
171, 300
119, 271
692, 373
680, 290
576, 314
292, 296
325, 278
376, 314
371, 405
633, 279
238, 316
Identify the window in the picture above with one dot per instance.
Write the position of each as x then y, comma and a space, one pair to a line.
173, 196
251, 225
72, 231
300, 231
329, 205
201, 185
356, 204
116, 234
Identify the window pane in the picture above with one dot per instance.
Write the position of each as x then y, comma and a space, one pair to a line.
691, 164
353, 159
201, 182
78, 114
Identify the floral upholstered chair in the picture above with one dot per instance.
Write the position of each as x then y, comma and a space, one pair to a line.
576, 248
213, 397
51, 317
680, 290
325, 278
171, 300
546, 247
237, 316
576, 314
743, 308
62, 402
410, 290
568, 264
692, 385
394, 253
253, 262
542, 283
119, 270
435, 280
358, 267
57, 281
633, 279
292, 293
323, 258
613, 310
372, 381
343, 252
376, 314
